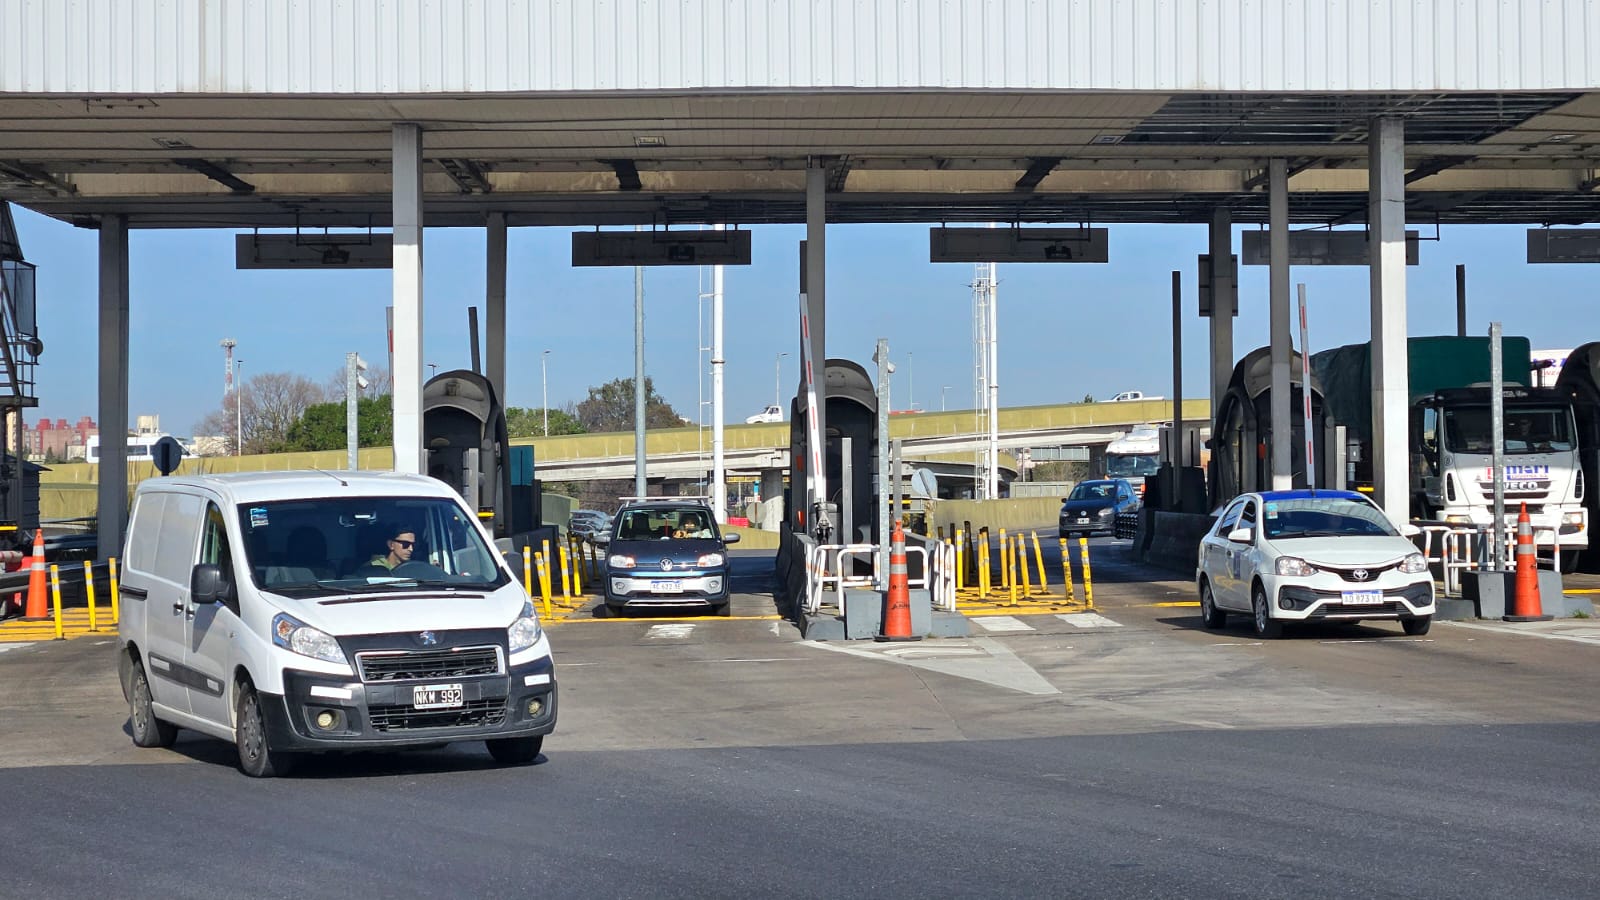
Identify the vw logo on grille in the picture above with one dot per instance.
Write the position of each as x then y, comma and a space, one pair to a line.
1359, 574
427, 639
666, 565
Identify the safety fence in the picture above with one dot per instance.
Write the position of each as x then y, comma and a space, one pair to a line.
832, 569
1452, 549
75, 598
1009, 568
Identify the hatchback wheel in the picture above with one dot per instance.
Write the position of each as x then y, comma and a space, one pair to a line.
1209, 613
1266, 626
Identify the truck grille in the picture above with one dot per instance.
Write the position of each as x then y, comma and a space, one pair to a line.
474, 714
428, 665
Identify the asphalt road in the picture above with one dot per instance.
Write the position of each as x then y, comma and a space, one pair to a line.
1135, 755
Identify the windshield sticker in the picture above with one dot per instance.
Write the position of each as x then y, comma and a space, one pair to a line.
1272, 510
258, 517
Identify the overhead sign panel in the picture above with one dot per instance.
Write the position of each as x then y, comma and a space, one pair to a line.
314, 251
661, 248
1019, 245
1320, 248
1564, 245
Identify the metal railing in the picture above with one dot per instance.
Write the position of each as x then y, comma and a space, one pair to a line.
1456, 549
829, 569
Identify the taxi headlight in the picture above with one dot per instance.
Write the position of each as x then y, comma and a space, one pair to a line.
620, 561
298, 637
525, 631
1415, 564
1294, 566
708, 560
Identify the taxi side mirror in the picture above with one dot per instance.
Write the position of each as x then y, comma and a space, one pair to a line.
1242, 535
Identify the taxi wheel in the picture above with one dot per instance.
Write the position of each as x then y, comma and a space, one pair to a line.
1266, 626
515, 751
1418, 626
148, 731
256, 756
1209, 613
723, 609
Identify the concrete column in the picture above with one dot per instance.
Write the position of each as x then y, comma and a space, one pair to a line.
1282, 346
816, 313
113, 494
1386, 238
1222, 300
494, 302
407, 199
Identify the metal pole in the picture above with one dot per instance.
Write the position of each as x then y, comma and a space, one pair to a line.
406, 272
544, 389
238, 410
992, 479
350, 441
494, 344
911, 382
1305, 395
640, 483
817, 326
881, 357
1497, 438
719, 475
1461, 301
777, 381
1173, 493
472, 338
1282, 350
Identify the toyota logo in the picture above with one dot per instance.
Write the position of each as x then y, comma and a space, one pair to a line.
427, 639
1359, 574
666, 565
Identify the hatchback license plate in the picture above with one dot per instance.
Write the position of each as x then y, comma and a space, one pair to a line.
436, 696
667, 587
1361, 598
1083, 521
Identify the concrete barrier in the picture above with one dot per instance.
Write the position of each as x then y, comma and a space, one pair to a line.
1012, 513
1172, 540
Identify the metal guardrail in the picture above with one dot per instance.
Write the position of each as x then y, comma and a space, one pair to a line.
1456, 549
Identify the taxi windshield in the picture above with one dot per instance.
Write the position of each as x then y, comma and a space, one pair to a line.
1325, 517
333, 545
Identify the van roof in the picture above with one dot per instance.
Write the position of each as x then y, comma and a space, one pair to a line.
246, 487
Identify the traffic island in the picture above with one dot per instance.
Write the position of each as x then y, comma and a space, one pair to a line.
862, 618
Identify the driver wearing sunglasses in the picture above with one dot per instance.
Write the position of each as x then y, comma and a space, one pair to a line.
400, 547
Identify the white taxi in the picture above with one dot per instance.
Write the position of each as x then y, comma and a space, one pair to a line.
1311, 556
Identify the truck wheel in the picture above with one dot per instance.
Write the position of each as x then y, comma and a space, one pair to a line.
515, 751
148, 731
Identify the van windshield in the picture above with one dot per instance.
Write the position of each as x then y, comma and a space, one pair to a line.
334, 545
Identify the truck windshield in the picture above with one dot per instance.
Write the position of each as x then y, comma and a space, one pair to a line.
1321, 517
1528, 429
343, 544
1132, 464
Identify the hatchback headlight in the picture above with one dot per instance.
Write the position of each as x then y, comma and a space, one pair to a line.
525, 631
1293, 565
297, 637
1415, 564
620, 561
708, 560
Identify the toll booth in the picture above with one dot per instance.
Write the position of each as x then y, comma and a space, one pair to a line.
464, 434
1580, 380
1241, 433
852, 417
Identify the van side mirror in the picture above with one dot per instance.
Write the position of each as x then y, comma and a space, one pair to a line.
1242, 535
731, 537
207, 584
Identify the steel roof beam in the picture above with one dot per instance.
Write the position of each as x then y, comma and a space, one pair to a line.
467, 175
627, 174
218, 174
1037, 170
1429, 167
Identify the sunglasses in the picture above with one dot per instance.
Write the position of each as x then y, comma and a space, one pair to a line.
403, 544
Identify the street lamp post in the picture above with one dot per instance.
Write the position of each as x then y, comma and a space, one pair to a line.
911, 381
777, 381
544, 386
238, 407
941, 397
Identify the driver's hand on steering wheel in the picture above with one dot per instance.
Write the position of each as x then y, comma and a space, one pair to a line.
680, 533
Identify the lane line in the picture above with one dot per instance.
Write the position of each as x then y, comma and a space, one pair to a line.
1002, 623
677, 631
1089, 620
1498, 629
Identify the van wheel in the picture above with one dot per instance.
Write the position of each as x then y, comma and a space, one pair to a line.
256, 756
148, 731
1418, 626
1267, 627
515, 751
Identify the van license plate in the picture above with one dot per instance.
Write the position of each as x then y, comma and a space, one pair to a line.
1362, 598
667, 587
436, 696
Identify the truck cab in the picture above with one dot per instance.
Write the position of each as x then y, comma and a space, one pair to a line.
1452, 474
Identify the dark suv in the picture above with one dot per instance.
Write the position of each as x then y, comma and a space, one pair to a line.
666, 553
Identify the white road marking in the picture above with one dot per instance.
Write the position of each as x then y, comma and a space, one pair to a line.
671, 631
1381, 641
1001, 623
775, 631
1582, 634
1088, 620
5, 647
990, 663
764, 659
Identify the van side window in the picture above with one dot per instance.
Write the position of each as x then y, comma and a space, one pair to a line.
143, 527
214, 542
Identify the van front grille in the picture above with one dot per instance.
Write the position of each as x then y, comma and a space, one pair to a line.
428, 665
473, 714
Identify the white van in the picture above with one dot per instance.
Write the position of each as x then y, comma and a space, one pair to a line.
306, 611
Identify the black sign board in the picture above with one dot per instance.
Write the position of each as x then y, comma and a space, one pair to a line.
167, 453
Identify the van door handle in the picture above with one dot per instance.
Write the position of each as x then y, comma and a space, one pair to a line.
177, 607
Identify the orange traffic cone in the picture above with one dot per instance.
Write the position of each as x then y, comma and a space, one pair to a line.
1525, 605
897, 603
38, 603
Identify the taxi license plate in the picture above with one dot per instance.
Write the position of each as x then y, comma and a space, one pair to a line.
667, 587
436, 696
1361, 598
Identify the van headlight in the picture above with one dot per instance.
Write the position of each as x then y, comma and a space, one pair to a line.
708, 560
297, 637
1293, 566
1415, 564
525, 631
620, 561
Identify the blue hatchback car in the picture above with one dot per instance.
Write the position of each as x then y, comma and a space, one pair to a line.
1092, 506
666, 553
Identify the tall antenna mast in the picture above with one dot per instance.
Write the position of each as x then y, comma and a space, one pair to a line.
227, 373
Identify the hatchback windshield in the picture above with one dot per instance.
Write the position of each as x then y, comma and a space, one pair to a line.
649, 523
1323, 517
353, 543
1094, 490
1527, 430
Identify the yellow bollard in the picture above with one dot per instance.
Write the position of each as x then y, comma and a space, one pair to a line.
1088, 582
544, 579
55, 593
961, 551
1005, 560
577, 568
566, 578
116, 611
1066, 570
1027, 577
88, 592
983, 566
527, 569
1038, 556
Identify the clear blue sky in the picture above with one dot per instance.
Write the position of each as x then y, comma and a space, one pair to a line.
1065, 330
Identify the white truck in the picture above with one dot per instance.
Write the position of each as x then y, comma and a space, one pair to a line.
1134, 456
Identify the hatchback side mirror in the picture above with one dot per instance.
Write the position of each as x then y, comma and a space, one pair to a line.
1242, 535
731, 537
602, 538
